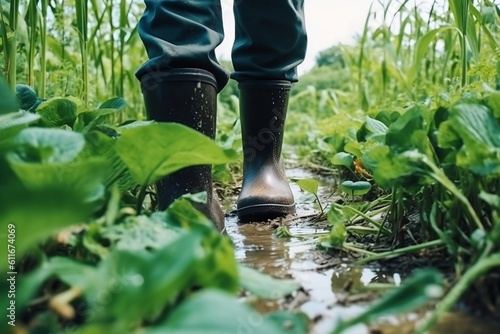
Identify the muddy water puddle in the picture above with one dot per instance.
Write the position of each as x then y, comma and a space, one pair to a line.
331, 287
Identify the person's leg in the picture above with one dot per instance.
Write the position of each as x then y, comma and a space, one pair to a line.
182, 34
180, 82
270, 43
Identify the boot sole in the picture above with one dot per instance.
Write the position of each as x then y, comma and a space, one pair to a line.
262, 212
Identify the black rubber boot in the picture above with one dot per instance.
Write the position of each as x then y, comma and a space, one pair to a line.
265, 191
187, 96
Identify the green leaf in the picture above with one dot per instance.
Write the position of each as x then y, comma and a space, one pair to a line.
390, 169
309, 185
372, 129
139, 233
338, 235
88, 120
423, 46
343, 159
46, 146
218, 269
494, 104
338, 232
416, 291
263, 285
26, 96
57, 112
13, 123
401, 131
477, 128
356, 188
39, 213
492, 199
45, 158
117, 103
156, 150
213, 312
115, 170
73, 273
337, 216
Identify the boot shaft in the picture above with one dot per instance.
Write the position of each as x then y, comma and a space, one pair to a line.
189, 97
263, 108
186, 96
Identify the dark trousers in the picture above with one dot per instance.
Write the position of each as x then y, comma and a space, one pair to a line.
270, 38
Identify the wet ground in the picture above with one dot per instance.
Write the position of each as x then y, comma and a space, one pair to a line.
331, 287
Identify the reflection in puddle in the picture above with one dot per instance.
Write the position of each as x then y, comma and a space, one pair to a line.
258, 247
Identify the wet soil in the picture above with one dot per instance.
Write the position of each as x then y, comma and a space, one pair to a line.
331, 286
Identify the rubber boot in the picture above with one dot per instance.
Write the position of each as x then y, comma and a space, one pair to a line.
265, 190
187, 96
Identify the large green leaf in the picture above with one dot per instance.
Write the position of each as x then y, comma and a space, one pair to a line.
213, 312
141, 283
116, 103
474, 131
219, 267
57, 112
399, 135
139, 233
343, 159
13, 123
391, 169
46, 146
156, 150
372, 129
115, 170
137, 284
46, 158
39, 213
310, 185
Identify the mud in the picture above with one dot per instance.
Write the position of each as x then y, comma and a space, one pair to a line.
331, 286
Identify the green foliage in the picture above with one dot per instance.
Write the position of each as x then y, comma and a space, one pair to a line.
198, 315
156, 271
416, 291
471, 131
310, 186
57, 112
355, 188
168, 150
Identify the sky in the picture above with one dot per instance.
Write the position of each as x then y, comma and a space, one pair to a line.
328, 22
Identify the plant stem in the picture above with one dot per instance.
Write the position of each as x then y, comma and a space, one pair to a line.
353, 248
140, 198
401, 251
470, 276
366, 217
43, 50
33, 20
441, 177
11, 44
319, 203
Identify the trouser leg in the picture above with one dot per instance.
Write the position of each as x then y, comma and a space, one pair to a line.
182, 34
270, 39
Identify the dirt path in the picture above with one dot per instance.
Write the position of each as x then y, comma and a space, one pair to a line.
331, 287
